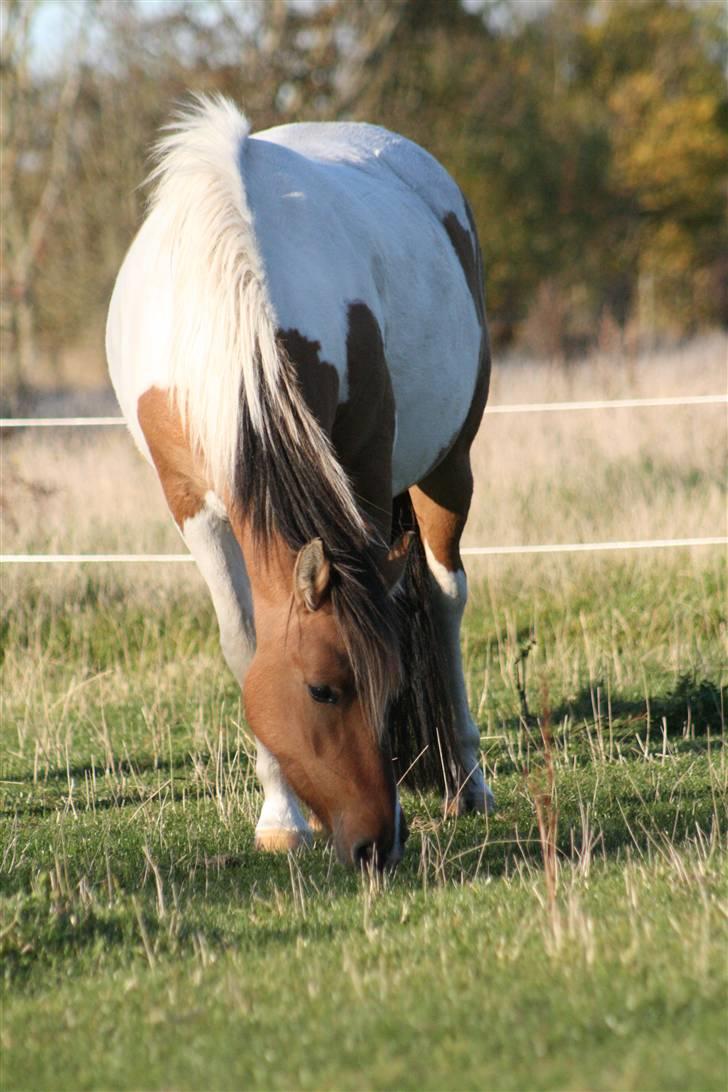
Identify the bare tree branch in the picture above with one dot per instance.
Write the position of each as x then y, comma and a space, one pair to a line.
60, 152
24, 233
376, 33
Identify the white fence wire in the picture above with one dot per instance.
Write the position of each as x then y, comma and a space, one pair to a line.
521, 407
468, 551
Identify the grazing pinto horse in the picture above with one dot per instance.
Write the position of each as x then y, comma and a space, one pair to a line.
297, 340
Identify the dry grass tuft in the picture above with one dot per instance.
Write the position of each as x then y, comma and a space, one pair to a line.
604, 474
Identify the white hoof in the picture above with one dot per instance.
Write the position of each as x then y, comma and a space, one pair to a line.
281, 826
280, 840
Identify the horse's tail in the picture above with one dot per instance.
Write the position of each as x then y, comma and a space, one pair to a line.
422, 729
230, 377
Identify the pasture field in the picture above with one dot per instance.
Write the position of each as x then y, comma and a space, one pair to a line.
576, 939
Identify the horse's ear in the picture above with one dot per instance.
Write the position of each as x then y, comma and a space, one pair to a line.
396, 560
312, 575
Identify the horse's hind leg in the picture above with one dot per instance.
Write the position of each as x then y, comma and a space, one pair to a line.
441, 503
202, 520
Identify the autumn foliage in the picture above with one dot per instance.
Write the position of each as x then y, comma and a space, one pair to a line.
590, 137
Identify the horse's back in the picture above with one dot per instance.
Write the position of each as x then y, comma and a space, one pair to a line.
373, 151
341, 214
353, 213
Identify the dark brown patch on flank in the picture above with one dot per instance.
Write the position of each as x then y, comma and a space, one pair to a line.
442, 498
465, 245
317, 379
467, 248
363, 432
179, 470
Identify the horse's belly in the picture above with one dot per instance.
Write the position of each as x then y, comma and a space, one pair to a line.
428, 425
433, 356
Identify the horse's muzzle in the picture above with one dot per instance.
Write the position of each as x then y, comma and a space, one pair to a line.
382, 853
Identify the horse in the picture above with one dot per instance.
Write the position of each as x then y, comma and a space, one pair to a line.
298, 342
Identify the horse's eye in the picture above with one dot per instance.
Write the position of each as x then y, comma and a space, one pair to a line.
323, 694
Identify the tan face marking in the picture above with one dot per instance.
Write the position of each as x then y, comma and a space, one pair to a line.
326, 750
179, 469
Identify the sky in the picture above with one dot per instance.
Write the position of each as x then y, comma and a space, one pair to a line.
57, 22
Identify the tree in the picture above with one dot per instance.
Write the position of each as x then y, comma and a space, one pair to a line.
660, 68
33, 176
590, 139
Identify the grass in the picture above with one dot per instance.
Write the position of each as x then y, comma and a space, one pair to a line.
574, 940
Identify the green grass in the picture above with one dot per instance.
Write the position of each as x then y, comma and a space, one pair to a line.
145, 944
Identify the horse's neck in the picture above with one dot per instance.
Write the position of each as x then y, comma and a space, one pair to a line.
269, 565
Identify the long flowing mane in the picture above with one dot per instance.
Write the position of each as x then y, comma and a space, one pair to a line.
280, 487
238, 392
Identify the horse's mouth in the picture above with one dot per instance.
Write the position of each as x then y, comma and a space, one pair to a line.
373, 854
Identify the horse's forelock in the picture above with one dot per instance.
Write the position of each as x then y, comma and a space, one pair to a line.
367, 620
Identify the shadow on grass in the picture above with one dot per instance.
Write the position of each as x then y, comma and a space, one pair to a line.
48, 793
88, 892
692, 707
688, 720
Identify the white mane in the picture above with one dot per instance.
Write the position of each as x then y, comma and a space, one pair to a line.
224, 325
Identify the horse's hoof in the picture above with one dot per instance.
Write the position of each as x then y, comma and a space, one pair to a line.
479, 799
281, 840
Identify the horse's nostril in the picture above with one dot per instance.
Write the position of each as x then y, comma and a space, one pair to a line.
363, 853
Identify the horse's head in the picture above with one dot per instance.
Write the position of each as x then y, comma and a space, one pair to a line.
316, 695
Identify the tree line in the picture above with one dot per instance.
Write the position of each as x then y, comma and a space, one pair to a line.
590, 136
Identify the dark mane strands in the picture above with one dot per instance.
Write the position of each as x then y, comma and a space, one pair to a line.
421, 718
280, 492
392, 641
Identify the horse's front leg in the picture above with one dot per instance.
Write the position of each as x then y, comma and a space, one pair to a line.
203, 522
281, 825
449, 598
441, 504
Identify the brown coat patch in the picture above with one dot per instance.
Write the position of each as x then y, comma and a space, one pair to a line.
318, 380
465, 245
363, 432
362, 428
179, 468
442, 499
